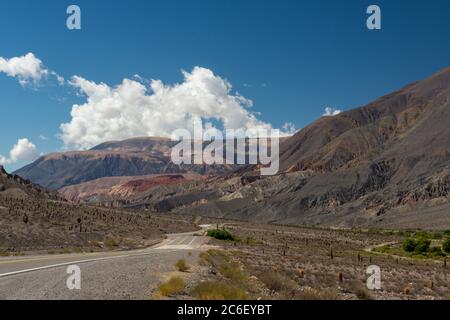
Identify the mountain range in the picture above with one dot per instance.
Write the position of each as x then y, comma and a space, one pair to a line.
386, 164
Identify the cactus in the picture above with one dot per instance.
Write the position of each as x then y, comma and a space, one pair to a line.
407, 290
340, 277
301, 273
331, 253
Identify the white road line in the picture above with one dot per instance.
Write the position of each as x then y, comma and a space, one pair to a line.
182, 240
77, 262
56, 266
173, 244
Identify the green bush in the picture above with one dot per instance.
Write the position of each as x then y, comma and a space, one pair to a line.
221, 235
437, 236
436, 252
409, 245
422, 245
446, 245
423, 235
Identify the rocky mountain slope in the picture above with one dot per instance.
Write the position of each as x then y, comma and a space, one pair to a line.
118, 190
133, 157
384, 164
33, 219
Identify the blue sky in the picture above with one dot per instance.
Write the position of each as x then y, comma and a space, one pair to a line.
291, 58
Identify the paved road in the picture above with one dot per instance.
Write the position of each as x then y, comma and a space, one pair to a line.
106, 275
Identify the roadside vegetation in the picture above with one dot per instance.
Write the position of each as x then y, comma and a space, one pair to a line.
217, 290
175, 285
421, 245
284, 262
221, 235
231, 282
182, 266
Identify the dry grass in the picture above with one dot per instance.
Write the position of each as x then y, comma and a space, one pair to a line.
215, 290
182, 266
276, 281
285, 261
174, 286
112, 242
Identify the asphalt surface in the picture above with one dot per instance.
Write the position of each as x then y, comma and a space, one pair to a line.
106, 275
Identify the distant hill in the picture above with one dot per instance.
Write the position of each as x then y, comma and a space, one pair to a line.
133, 157
34, 219
15, 186
384, 164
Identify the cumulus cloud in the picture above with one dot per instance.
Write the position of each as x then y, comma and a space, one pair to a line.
133, 109
23, 150
289, 128
27, 69
331, 112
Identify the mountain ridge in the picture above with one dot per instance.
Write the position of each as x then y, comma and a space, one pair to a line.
364, 166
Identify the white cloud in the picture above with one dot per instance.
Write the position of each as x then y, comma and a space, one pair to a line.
289, 128
132, 109
26, 69
44, 138
331, 112
23, 150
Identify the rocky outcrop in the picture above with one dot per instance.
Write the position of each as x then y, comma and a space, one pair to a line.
352, 169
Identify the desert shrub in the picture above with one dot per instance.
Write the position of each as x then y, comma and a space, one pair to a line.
221, 235
436, 252
111, 242
423, 234
407, 290
227, 267
446, 245
422, 245
409, 245
182, 265
205, 258
363, 294
215, 290
404, 233
437, 235
447, 232
276, 282
173, 286
232, 270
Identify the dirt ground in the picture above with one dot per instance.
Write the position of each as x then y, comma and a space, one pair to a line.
279, 262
